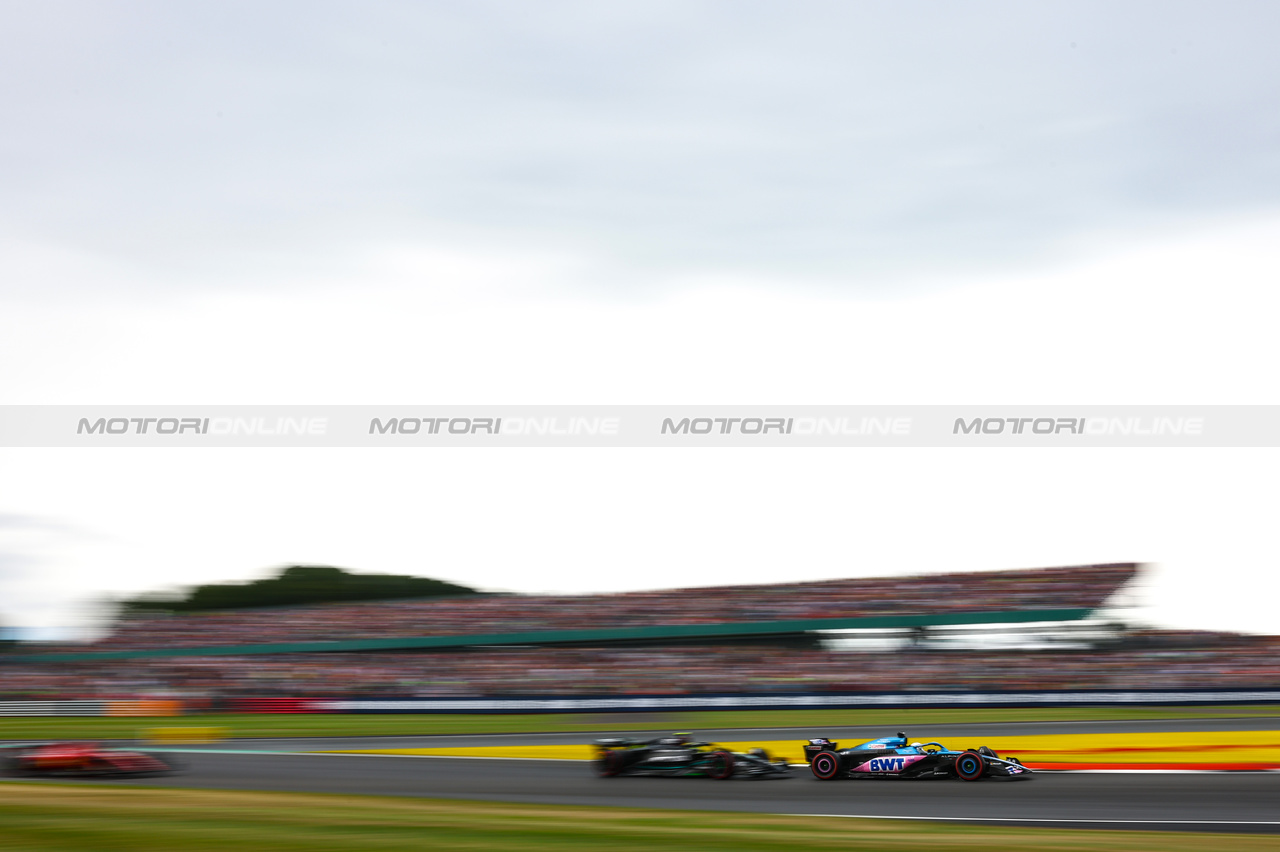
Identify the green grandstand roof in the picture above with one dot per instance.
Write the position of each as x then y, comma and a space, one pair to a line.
561, 637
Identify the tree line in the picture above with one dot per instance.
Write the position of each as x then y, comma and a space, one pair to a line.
297, 584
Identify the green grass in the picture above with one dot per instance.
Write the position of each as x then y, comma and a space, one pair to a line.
326, 725
69, 818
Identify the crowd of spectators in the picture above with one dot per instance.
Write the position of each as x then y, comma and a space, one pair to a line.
1049, 588
1161, 660
1157, 661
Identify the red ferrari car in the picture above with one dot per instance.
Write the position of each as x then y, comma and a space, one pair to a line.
82, 759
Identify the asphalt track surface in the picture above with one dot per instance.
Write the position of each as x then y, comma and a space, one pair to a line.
1245, 802
1221, 802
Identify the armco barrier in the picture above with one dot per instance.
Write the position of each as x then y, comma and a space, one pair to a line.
272, 705
834, 701
144, 707
126, 707
53, 708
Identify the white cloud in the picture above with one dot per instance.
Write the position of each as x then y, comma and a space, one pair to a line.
688, 203
414, 323
198, 143
591, 520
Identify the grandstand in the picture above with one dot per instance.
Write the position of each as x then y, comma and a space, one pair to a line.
666, 616
684, 641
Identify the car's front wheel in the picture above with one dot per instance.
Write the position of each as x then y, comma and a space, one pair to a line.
969, 766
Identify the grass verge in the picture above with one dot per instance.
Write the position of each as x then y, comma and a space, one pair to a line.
103, 819
360, 725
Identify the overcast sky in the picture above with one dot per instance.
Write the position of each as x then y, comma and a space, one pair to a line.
739, 202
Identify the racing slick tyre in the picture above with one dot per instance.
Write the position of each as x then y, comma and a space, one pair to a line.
825, 765
720, 765
970, 765
99, 767
609, 764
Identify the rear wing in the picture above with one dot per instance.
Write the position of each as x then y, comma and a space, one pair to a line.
614, 742
816, 745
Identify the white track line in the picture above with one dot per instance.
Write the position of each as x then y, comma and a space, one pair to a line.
1048, 819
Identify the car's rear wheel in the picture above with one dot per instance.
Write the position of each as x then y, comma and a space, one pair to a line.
720, 765
969, 766
825, 765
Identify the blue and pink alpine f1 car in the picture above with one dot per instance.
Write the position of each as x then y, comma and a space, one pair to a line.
892, 757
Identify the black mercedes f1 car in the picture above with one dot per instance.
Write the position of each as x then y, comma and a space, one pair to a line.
678, 755
81, 760
892, 757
